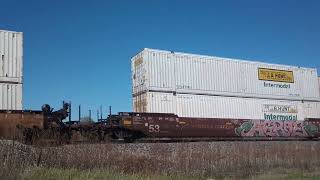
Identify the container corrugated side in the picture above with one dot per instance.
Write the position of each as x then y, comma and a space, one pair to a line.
140, 103
186, 105
10, 96
138, 74
11, 56
163, 71
319, 83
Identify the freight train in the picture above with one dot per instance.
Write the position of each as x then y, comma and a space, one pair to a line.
48, 126
181, 88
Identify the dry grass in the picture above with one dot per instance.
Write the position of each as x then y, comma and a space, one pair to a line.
218, 160
15, 157
61, 174
53, 173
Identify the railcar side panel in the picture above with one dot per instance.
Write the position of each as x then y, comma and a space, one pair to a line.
169, 125
9, 120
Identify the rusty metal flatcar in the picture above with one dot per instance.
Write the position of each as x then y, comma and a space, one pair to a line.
131, 126
20, 125
161, 125
9, 120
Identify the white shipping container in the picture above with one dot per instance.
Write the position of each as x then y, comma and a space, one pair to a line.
10, 96
188, 105
319, 84
11, 56
164, 71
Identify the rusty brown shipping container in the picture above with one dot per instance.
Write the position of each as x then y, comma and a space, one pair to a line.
9, 120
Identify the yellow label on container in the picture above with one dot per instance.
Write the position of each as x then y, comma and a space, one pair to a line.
275, 75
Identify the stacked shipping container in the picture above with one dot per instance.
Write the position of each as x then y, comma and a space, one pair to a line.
319, 84
189, 105
204, 86
11, 64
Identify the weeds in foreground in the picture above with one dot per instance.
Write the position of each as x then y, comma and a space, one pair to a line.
203, 160
69, 174
53, 173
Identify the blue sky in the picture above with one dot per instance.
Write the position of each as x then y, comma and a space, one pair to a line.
81, 50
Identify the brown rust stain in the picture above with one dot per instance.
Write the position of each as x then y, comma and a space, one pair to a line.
9, 120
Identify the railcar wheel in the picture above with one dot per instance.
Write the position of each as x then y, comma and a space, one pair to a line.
127, 136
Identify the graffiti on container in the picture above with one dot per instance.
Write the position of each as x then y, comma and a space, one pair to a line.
266, 128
